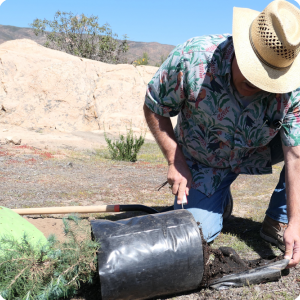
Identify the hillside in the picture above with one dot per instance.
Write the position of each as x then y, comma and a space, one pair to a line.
136, 49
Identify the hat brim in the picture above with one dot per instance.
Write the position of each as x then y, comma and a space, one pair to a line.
259, 74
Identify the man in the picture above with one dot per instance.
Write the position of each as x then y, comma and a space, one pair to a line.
237, 101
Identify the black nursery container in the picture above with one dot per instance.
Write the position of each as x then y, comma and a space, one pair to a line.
149, 256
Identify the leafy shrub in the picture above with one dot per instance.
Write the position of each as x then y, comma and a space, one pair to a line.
144, 60
55, 271
125, 148
81, 36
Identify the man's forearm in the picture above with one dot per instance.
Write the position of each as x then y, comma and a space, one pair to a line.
292, 233
292, 174
162, 130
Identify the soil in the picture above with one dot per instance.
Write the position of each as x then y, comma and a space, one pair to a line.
53, 225
218, 263
225, 261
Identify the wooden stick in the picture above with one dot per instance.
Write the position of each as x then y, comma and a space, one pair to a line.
67, 210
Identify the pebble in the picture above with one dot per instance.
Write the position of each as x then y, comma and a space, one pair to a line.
257, 288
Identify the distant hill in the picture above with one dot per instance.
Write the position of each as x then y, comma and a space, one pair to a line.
8, 33
136, 49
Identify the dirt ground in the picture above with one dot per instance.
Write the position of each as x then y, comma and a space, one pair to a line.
32, 176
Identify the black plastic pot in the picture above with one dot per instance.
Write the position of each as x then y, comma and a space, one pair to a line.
149, 256
160, 254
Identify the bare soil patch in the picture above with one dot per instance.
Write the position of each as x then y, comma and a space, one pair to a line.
225, 261
39, 177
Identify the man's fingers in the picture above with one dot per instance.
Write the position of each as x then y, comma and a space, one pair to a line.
295, 256
181, 192
292, 248
180, 178
179, 189
175, 187
187, 191
289, 253
291, 264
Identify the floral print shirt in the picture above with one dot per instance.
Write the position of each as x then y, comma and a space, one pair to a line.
219, 130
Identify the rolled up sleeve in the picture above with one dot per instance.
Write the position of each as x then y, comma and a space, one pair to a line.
290, 131
165, 92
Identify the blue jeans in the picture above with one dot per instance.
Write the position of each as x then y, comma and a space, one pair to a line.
209, 211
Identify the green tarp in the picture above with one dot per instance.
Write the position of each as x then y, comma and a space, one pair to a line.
13, 225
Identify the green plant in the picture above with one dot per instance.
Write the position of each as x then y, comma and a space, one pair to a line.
55, 271
81, 36
125, 148
144, 60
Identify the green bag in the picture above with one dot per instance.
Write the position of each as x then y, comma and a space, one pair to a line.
13, 225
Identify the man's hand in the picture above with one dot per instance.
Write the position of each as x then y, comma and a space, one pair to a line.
291, 239
180, 178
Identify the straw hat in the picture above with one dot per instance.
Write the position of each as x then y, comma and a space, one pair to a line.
267, 45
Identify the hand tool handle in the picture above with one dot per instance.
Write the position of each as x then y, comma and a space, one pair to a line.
84, 209
65, 210
184, 199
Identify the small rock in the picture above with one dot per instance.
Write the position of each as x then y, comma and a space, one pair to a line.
257, 288
13, 140
4, 130
70, 164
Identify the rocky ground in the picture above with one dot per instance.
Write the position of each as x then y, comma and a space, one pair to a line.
32, 176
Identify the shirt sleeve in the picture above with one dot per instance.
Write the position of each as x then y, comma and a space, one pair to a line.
165, 92
290, 131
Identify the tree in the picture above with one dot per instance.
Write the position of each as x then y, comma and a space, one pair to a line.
53, 271
82, 36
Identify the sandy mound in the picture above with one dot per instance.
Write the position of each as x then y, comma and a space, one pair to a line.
50, 97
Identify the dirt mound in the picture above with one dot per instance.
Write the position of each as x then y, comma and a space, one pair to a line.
44, 88
225, 261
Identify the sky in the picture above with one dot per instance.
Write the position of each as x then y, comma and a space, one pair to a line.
164, 21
